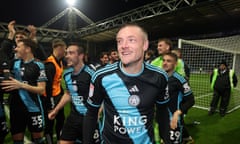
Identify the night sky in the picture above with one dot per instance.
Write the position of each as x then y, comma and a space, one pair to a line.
38, 12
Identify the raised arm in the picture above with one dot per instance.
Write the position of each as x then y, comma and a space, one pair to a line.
11, 30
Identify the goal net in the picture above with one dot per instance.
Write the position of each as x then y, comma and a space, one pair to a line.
202, 56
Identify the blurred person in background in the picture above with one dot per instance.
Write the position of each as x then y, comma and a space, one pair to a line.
103, 60
113, 56
77, 79
149, 56
178, 52
54, 90
222, 80
165, 45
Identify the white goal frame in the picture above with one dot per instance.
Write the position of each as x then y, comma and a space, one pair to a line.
227, 47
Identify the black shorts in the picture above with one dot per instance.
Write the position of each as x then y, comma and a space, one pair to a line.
20, 119
176, 135
72, 129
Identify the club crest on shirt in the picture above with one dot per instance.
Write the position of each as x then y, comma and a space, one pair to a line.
134, 100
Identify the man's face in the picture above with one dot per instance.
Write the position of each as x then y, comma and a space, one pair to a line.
131, 45
169, 63
163, 47
114, 56
72, 56
19, 37
104, 59
222, 67
20, 50
61, 49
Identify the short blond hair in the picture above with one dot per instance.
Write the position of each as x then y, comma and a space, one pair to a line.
58, 42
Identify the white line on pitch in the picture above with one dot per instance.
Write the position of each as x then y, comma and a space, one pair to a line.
208, 94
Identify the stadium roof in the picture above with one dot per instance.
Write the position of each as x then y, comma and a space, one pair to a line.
161, 18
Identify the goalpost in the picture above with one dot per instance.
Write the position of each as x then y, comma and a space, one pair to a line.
202, 56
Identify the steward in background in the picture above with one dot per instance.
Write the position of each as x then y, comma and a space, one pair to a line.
54, 91
222, 82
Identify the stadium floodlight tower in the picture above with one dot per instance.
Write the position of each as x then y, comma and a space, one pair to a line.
70, 2
71, 12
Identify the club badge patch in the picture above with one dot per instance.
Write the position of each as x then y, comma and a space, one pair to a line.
186, 88
134, 100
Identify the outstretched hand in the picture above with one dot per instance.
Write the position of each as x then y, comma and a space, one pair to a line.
52, 114
11, 84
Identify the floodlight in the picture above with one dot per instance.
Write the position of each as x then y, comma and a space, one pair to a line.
70, 2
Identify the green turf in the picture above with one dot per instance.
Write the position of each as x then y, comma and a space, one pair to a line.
213, 129
200, 85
